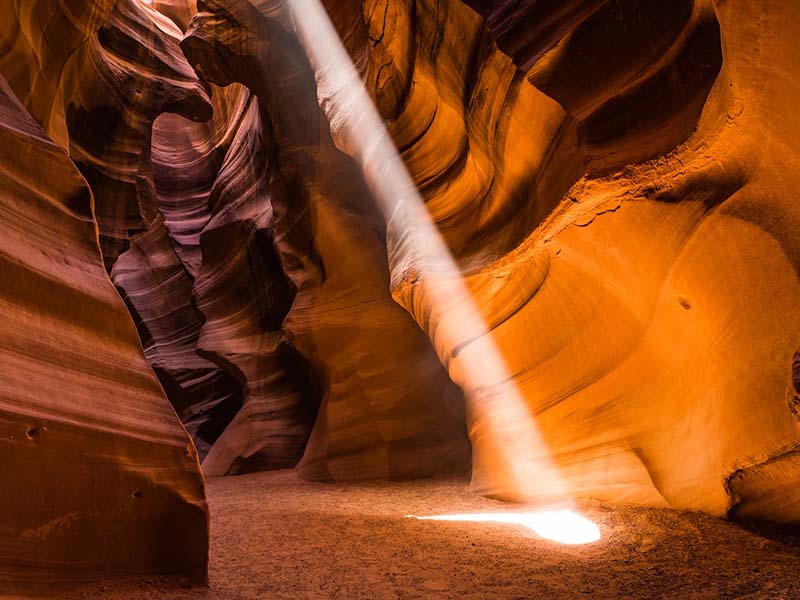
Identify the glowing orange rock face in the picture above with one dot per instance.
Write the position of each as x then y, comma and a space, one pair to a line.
646, 260
654, 353
614, 181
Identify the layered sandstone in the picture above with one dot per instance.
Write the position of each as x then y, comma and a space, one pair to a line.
611, 183
655, 353
387, 407
99, 477
211, 249
604, 178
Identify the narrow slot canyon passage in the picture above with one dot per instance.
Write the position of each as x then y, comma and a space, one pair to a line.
400, 299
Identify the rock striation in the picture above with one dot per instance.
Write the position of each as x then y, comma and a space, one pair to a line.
655, 351
387, 408
612, 181
98, 475
599, 172
215, 252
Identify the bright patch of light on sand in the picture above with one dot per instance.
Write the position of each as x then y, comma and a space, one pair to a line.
562, 526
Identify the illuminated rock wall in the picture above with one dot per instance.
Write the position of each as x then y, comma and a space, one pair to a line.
387, 408
614, 180
656, 353
251, 331
617, 194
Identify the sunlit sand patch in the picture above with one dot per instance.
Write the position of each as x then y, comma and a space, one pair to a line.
562, 526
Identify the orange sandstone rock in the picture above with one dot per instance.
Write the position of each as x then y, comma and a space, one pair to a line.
98, 475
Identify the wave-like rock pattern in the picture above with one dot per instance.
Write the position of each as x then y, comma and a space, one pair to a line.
634, 75
491, 155
151, 173
665, 315
118, 83
696, 295
158, 292
635, 206
387, 407
187, 232
99, 476
38, 38
244, 297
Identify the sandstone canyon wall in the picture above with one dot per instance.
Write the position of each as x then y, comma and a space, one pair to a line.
251, 332
613, 180
656, 353
98, 475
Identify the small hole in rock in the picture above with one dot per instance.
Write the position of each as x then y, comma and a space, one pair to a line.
684, 302
32, 433
137, 493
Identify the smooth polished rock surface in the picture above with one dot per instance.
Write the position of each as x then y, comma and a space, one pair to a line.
630, 242
98, 476
555, 242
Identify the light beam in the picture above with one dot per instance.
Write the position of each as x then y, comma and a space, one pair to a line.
504, 434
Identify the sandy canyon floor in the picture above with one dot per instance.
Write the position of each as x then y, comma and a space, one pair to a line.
276, 537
